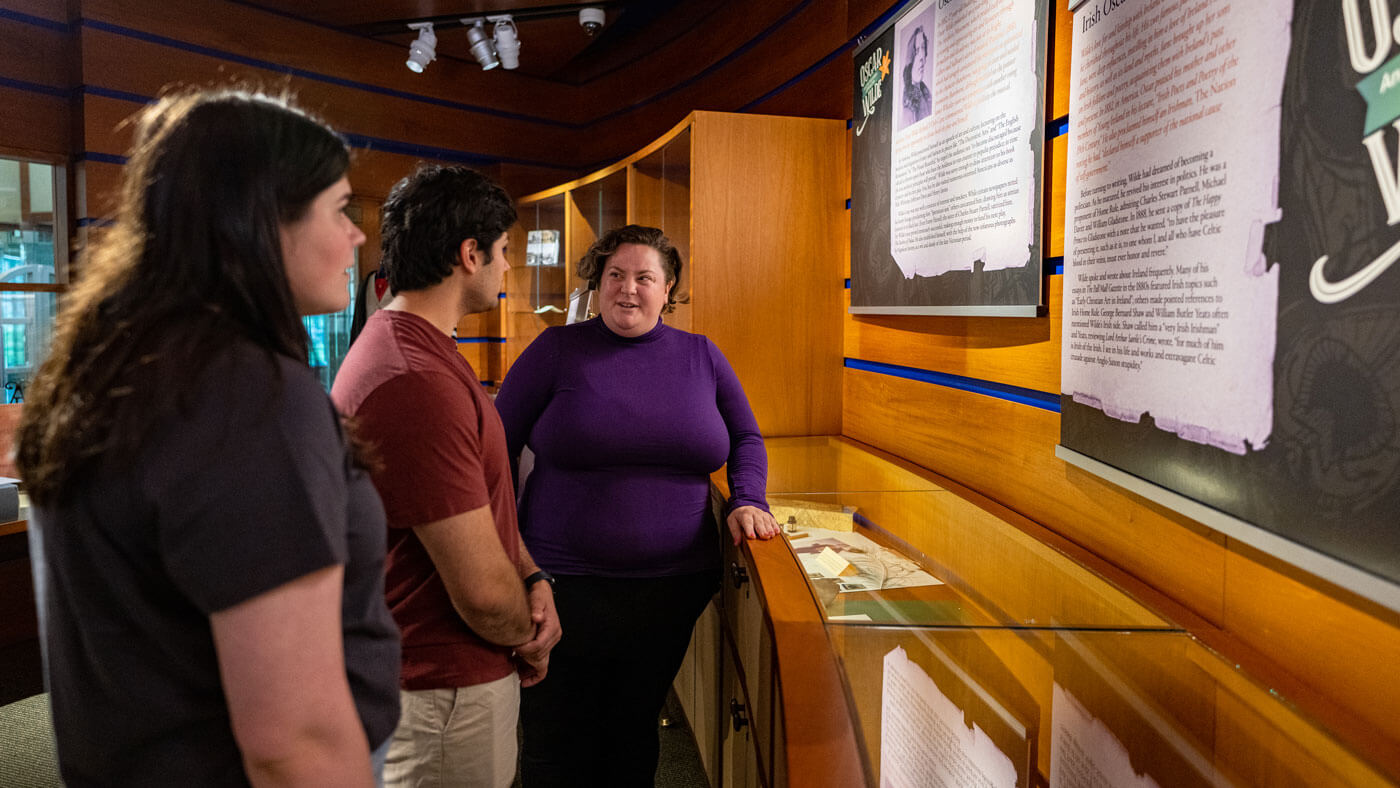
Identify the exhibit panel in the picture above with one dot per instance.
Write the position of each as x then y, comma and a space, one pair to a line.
985, 655
946, 160
1230, 299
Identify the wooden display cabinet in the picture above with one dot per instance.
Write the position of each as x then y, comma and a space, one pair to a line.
755, 204
1061, 671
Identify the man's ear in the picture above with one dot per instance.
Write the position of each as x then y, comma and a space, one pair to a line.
468, 256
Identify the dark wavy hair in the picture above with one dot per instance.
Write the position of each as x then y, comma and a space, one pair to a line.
914, 44
192, 263
427, 217
596, 259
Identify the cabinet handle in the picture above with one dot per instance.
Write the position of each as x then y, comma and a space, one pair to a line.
737, 714
738, 574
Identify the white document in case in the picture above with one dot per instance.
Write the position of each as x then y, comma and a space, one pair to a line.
923, 740
1084, 753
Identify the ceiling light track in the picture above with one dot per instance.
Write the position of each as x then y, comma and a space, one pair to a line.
448, 22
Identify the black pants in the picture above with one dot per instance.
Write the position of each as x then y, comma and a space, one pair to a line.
592, 721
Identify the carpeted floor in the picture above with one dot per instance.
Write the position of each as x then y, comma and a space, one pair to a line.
27, 753
27, 745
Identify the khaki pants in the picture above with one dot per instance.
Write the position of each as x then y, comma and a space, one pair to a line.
455, 737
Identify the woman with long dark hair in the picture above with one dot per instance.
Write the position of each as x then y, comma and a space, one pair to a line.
208, 558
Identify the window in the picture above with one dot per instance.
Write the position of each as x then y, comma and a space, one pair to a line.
33, 266
330, 336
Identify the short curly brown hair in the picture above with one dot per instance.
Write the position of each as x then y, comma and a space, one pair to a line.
592, 265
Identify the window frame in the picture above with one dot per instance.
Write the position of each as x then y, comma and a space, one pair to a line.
59, 219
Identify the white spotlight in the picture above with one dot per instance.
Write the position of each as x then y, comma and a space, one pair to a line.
424, 50
482, 48
507, 41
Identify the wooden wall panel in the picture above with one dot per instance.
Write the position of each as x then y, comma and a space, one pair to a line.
9, 423
827, 92
1344, 647
43, 58
1054, 173
1005, 451
762, 287
52, 10
99, 189
796, 45
35, 122
106, 130
799, 42
1021, 352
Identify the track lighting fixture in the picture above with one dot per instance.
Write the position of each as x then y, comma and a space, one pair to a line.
482, 48
424, 49
507, 41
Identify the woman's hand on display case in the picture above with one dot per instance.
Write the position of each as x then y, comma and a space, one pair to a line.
751, 522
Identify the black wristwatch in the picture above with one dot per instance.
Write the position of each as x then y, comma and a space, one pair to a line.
537, 577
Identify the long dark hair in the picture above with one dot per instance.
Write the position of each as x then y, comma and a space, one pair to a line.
595, 260
193, 262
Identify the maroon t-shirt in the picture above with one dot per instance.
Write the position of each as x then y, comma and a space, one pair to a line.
442, 452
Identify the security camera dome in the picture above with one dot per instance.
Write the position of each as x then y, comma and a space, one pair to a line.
591, 19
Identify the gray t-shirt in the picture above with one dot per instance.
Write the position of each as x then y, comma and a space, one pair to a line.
248, 488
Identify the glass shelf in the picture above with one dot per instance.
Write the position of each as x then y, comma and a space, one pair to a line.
973, 568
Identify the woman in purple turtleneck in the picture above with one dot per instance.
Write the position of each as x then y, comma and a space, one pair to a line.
627, 417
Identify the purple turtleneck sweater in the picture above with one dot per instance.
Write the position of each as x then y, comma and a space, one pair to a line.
625, 433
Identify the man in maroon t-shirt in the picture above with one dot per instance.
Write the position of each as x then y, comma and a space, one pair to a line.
476, 614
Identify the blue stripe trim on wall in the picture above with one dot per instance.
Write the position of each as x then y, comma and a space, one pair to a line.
476, 340
362, 141
37, 21
105, 158
35, 87
848, 283
1057, 127
1024, 396
1056, 265
119, 95
424, 151
152, 38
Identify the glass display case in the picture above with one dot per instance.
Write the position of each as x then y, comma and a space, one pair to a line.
535, 284
953, 643
661, 198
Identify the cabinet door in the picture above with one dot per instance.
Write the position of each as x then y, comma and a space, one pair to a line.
735, 749
708, 719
